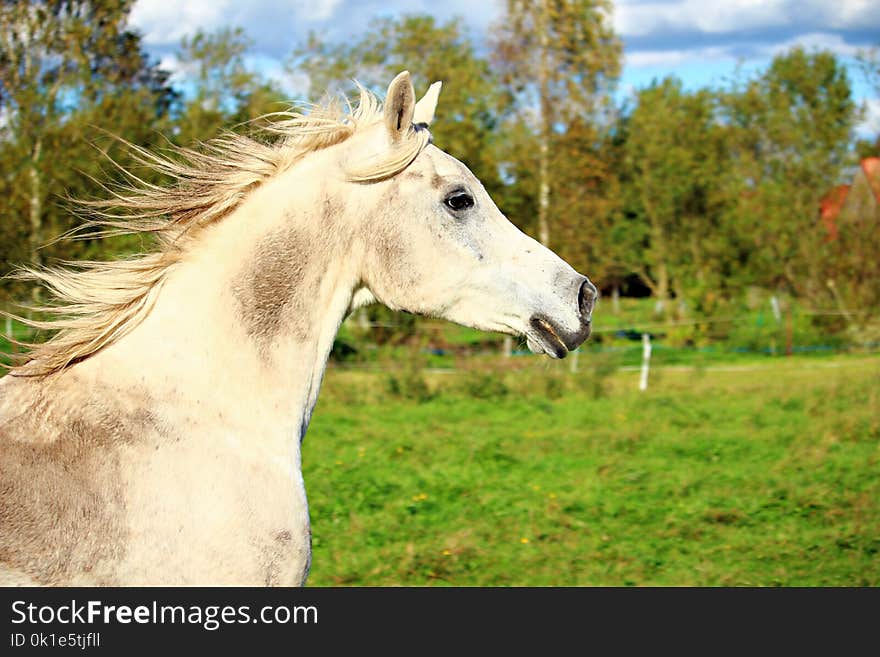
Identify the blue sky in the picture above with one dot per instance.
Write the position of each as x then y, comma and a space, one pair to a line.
700, 41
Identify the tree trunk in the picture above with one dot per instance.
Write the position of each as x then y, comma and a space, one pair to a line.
36, 210
662, 291
658, 255
544, 130
544, 191
697, 258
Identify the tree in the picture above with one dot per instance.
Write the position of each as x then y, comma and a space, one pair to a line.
675, 168
222, 90
66, 66
790, 131
869, 65
559, 61
586, 185
467, 114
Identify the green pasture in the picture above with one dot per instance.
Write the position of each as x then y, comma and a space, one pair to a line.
764, 474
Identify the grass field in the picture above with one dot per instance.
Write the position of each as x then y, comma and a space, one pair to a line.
763, 474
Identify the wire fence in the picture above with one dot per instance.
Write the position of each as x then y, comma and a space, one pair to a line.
621, 342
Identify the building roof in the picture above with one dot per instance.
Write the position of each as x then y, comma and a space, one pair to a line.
835, 199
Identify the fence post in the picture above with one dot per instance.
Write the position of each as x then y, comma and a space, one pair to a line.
13, 346
573, 366
646, 360
789, 331
363, 321
774, 305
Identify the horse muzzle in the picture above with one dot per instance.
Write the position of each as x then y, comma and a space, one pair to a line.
550, 338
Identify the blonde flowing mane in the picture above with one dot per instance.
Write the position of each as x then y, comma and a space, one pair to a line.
94, 303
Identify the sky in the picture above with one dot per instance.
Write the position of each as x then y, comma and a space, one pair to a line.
700, 41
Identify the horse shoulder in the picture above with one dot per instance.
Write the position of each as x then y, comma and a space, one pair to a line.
62, 511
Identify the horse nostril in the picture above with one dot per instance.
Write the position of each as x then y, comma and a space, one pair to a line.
587, 295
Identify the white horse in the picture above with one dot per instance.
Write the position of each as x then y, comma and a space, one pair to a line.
155, 439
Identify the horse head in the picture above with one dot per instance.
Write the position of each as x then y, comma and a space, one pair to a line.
439, 246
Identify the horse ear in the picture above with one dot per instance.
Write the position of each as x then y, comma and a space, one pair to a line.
424, 112
400, 102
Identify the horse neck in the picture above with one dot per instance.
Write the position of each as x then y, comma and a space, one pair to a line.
244, 324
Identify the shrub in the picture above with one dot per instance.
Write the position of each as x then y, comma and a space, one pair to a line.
409, 384
484, 385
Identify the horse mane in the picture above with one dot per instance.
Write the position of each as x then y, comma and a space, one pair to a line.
94, 303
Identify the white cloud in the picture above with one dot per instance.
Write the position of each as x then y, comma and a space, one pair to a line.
676, 57
695, 15
179, 70
814, 41
643, 19
318, 10
295, 85
869, 128
673, 58
859, 14
164, 23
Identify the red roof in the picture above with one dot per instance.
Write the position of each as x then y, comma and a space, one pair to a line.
831, 204
829, 208
871, 167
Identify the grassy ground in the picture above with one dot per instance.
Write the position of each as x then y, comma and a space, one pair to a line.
766, 475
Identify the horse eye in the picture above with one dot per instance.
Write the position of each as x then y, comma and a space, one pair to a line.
459, 201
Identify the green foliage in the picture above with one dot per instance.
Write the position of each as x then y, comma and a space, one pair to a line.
790, 130
599, 369
869, 65
699, 194
564, 55
408, 380
721, 188
68, 70
224, 92
409, 384
559, 63
483, 385
466, 120
675, 170
553, 385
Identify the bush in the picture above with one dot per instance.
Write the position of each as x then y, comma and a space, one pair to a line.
484, 385
599, 369
554, 385
409, 384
